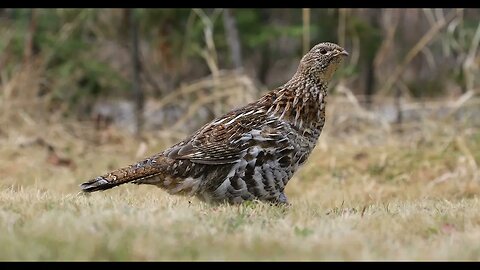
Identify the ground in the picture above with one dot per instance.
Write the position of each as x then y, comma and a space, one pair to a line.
362, 195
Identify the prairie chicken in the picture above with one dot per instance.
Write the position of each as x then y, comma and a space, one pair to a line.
249, 153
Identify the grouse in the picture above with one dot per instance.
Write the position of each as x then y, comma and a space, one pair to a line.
249, 153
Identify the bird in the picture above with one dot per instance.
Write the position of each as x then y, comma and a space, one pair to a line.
250, 153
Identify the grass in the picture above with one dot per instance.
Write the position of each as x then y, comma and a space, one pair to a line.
146, 226
365, 195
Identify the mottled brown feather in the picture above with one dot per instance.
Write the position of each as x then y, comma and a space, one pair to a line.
249, 153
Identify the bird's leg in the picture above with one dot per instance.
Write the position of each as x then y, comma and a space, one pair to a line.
281, 200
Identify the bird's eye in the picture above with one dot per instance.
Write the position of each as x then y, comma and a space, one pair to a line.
323, 51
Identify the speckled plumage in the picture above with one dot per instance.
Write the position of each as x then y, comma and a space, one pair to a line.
247, 154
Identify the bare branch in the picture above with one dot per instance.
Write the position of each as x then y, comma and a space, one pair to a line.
342, 18
416, 49
233, 39
306, 29
210, 54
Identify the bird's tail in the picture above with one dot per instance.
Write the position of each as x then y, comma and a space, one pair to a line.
147, 168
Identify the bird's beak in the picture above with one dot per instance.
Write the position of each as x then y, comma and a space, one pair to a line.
341, 52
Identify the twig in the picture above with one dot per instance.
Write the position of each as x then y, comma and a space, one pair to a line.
361, 111
196, 86
306, 29
8, 37
233, 40
429, 15
469, 62
64, 34
387, 42
350, 96
355, 55
147, 74
29, 38
416, 49
186, 37
136, 88
209, 54
342, 15
460, 102
223, 79
202, 101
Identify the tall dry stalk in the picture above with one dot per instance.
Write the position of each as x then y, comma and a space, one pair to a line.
342, 18
136, 87
306, 29
210, 53
420, 45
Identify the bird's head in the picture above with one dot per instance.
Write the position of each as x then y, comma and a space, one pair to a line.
322, 61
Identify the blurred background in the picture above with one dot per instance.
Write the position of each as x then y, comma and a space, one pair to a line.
96, 75
84, 91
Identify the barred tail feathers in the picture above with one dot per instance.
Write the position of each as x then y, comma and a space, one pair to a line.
147, 168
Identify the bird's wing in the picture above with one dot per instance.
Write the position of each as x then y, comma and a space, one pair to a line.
224, 139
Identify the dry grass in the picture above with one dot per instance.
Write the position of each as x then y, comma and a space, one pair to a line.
366, 193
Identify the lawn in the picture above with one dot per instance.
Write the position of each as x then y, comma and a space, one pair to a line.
364, 194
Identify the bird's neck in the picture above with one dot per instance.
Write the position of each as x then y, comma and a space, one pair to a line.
300, 101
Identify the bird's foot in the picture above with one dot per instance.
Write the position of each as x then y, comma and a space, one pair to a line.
281, 200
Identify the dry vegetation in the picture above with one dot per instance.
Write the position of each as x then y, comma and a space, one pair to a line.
371, 190
367, 193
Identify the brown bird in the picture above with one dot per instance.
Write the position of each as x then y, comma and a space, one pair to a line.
247, 154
